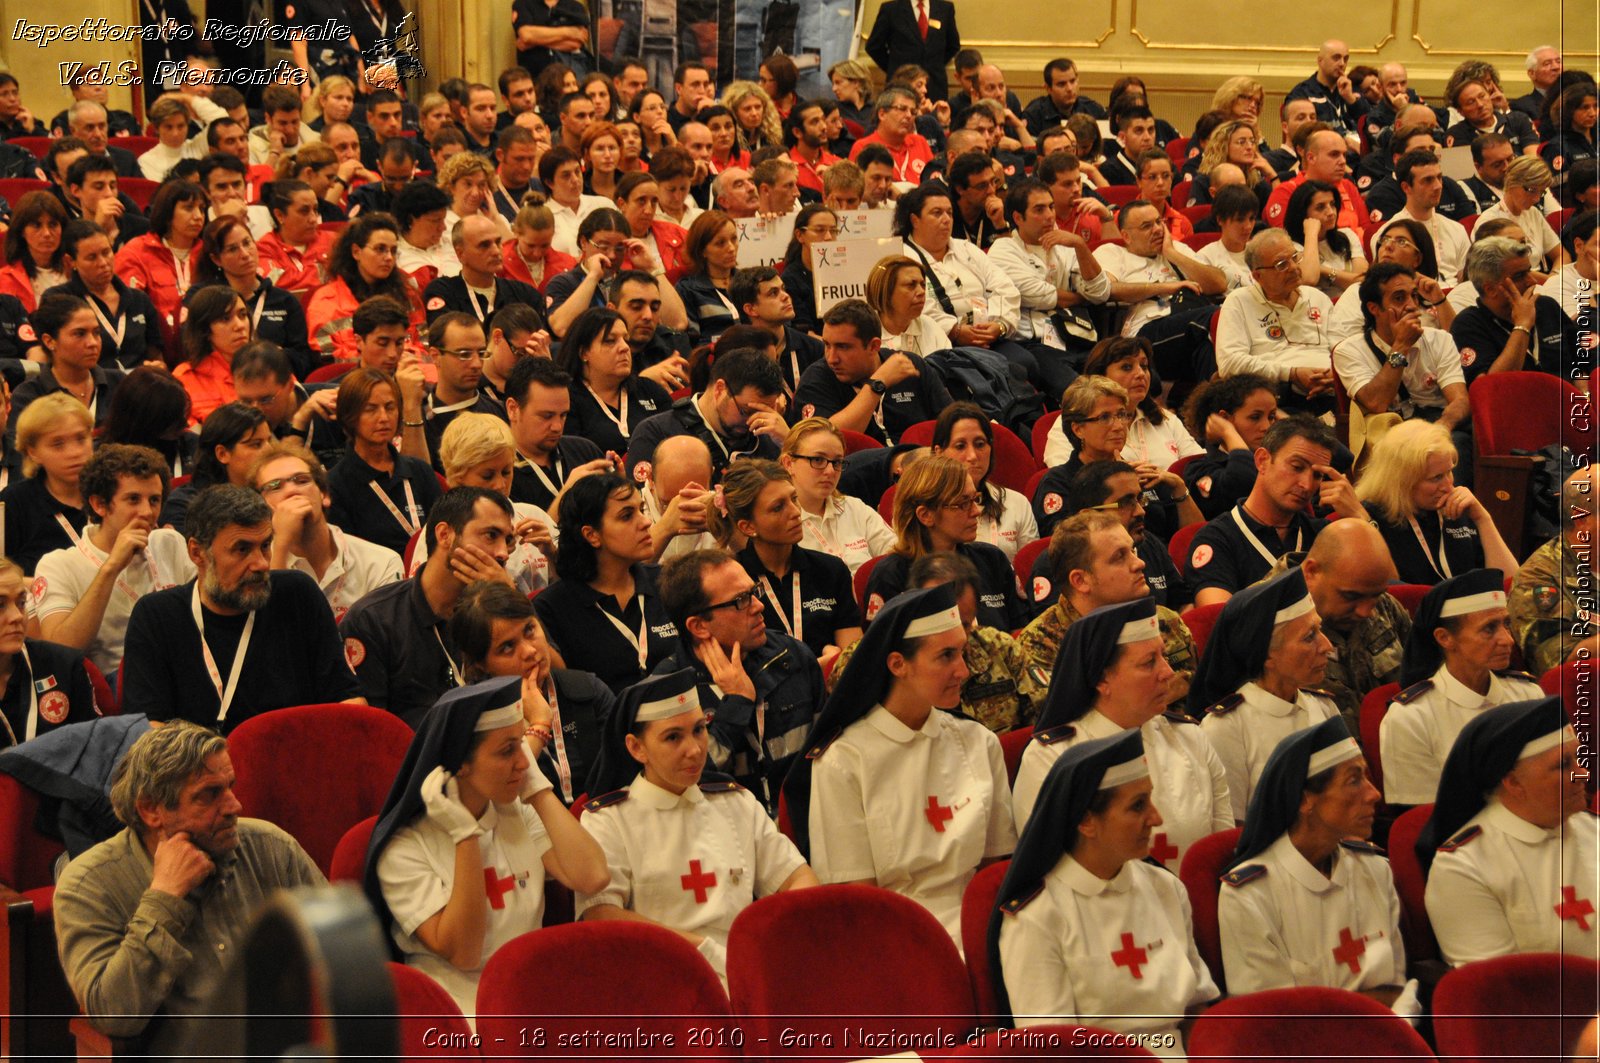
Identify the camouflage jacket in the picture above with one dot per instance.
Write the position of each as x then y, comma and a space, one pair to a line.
1002, 693
1550, 605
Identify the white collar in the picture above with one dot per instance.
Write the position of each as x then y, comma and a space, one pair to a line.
1261, 698
888, 725
1501, 818
660, 799
1084, 882
1458, 693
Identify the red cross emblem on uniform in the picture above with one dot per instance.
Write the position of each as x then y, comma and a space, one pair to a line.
1350, 950
1575, 908
496, 888
1130, 956
700, 882
938, 814
1161, 849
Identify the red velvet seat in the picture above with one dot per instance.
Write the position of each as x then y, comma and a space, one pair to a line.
139, 189
134, 143
14, 188
1533, 1005
1409, 595
325, 374
1013, 744
431, 1023
1374, 707
886, 505
859, 580
1201, 875
40, 146
1033, 483
858, 441
577, 981
1410, 885
821, 961
1200, 619
1178, 152
350, 855
1023, 563
1041, 433
1116, 195
317, 770
37, 1002
1309, 1024
106, 702
977, 905
1178, 547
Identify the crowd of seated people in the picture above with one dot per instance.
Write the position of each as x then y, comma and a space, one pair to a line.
479, 417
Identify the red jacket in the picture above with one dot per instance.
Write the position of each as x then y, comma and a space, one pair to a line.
144, 262
512, 266
14, 280
328, 319
291, 269
671, 239
1352, 209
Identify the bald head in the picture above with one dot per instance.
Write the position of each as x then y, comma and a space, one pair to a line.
991, 83
1332, 58
1224, 174
1416, 114
1346, 572
678, 462
961, 141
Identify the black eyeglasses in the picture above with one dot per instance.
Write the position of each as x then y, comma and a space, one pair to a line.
820, 462
740, 602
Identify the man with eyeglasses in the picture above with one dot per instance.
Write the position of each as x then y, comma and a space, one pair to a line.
346, 567
909, 151
605, 249
459, 347
738, 415
396, 166
476, 290
1094, 561
1422, 181
762, 298
862, 388
1278, 327
262, 378
515, 332
761, 688
979, 213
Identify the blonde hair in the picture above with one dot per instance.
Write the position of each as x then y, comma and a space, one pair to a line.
931, 482
472, 439
742, 485
1398, 462
326, 86
534, 213
460, 165
40, 416
739, 91
882, 279
1083, 393
1237, 88
1530, 173
432, 102
314, 156
808, 427
1215, 153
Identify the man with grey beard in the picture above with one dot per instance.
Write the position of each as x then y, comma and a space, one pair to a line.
238, 640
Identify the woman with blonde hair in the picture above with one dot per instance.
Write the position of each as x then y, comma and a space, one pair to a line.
1527, 180
477, 450
963, 431
470, 182
1434, 528
831, 522
936, 508
807, 593
1241, 98
1237, 141
433, 114
529, 256
852, 86
336, 101
318, 167
897, 290
45, 510
755, 118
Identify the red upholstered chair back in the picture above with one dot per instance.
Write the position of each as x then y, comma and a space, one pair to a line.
1374, 707
886, 505
106, 702
139, 189
857, 441
1023, 563
1534, 1005
317, 770
1518, 410
1182, 463
597, 977
977, 905
1041, 432
330, 372
919, 434
1178, 547
1309, 1024
859, 580
27, 858
819, 961
1048, 1041
1033, 483
1408, 882
1201, 874
1117, 195
1200, 619
1409, 595
1013, 464
1196, 241
431, 1024
1013, 744
349, 860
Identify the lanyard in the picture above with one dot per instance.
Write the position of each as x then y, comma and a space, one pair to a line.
180, 267
225, 694
563, 762
31, 728
641, 641
411, 525
716, 436
1250, 536
121, 329
255, 316
82, 543
488, 303
622, 402
1427, 552
454, 407
455, 673
799, 617
380, 19
539, 472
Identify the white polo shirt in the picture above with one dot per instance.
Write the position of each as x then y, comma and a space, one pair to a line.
1434, 366
1270, 339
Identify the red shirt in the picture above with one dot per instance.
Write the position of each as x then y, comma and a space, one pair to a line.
1352, 211
209, 384
811, 173
909, 160
514, 267
290, 268
145, 262
328, 319
1179, 227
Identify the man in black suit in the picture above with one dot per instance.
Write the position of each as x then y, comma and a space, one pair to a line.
87, 121
916, 31
1544, 68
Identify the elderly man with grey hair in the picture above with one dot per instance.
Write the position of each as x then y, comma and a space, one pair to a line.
1512, 327
237, 640
733, 191
88, 121
146, 921
1544, 68
1276, 326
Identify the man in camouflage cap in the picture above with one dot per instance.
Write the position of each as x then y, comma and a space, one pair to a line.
1552, 598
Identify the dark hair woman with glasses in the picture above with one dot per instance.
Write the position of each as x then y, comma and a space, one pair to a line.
831, 522
814, 224
609, 398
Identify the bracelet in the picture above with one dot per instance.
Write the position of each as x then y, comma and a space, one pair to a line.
540, 731
1185, 498
412, 424
1523, 329
1430, 306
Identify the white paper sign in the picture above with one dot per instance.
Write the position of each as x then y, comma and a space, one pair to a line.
839, 270
763, 241
864, 224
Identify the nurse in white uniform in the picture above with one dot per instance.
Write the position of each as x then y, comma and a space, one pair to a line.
896, 790
1111, 674
1269, 633
457, 862
1515, 864
1085, 929
1305, 901
686, 849
1455, 667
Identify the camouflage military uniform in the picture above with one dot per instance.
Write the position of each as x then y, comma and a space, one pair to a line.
1550, 605
1003, 692
1364, 657
1041, 641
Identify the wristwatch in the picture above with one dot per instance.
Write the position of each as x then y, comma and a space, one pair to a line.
878, 387
1398, 359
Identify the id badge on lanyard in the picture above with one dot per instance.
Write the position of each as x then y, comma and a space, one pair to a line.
797, 628
224, 693
411, 526
641, 641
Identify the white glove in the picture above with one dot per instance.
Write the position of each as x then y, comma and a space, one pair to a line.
535, 781
1406, 1005
441, 795
716, 955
